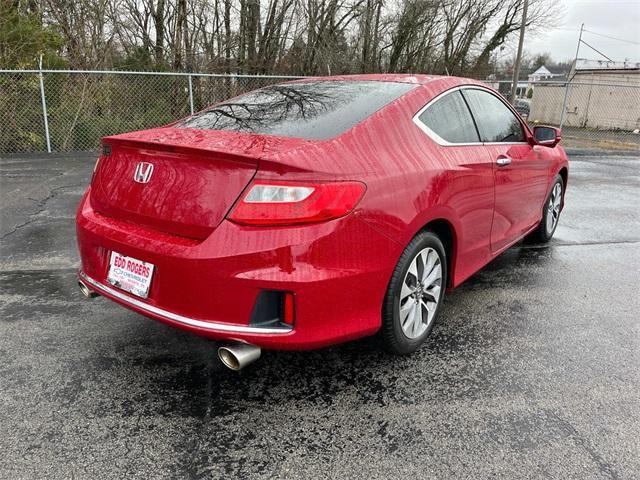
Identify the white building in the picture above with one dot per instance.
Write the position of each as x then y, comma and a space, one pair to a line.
542, 73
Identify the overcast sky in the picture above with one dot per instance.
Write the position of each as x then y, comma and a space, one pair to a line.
615, 18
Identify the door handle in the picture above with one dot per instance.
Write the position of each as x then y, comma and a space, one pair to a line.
503, 161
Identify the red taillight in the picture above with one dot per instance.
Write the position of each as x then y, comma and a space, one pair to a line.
290, 203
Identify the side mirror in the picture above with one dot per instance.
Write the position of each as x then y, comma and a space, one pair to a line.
547, 136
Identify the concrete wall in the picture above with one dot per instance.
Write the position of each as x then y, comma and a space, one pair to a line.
546, 104
607, 107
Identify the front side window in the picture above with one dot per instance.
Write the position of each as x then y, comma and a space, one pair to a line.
495, 121
449, 118
312, 110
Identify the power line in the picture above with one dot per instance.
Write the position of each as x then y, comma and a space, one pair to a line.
612, 38
575, 29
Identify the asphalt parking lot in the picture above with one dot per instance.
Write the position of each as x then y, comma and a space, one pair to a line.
532, 372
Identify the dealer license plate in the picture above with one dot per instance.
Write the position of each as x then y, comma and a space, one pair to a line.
130, 274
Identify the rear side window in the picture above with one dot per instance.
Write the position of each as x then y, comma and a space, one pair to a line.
311, 110
496, 122
450, 119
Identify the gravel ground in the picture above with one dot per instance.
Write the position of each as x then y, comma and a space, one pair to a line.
533, 370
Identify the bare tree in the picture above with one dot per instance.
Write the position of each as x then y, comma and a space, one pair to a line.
288, 36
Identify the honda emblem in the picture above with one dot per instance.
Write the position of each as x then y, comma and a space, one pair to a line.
143, 172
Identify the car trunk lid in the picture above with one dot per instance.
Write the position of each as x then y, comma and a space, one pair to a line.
178, 181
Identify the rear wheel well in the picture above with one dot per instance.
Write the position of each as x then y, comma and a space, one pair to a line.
446, 234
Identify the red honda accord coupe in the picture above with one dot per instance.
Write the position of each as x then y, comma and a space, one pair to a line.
317, 211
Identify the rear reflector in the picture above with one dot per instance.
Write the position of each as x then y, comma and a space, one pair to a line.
273, 308
291, 203
288, 312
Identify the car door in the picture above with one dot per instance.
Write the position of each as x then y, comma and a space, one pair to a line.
521, 176
467, 179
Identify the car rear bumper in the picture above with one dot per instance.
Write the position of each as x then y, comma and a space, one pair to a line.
159, 313
337, 271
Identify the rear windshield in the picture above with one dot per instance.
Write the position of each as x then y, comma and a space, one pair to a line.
310, 110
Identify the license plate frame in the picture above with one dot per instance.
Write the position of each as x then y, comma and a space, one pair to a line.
130, 274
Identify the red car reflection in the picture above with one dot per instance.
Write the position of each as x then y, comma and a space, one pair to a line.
317, 211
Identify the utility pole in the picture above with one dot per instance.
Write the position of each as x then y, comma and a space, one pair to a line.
516, 68
563, 114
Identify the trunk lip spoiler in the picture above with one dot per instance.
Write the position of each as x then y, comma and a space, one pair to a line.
192, 322
242, 147
232, 155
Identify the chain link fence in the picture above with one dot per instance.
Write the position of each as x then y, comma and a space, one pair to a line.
592, 114
83, 106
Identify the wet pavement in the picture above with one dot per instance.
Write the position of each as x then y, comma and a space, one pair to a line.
533, 370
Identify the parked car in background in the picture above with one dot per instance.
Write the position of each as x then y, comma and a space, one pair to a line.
523, 107
317, 211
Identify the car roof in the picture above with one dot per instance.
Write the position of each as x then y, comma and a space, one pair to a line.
419, 79
442, 81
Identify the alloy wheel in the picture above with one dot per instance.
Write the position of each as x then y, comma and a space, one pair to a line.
420, 293
553, 213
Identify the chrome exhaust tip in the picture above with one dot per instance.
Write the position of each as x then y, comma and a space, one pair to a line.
86, 291
238, 355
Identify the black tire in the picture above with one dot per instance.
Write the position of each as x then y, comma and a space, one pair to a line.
543, 233
393, 337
